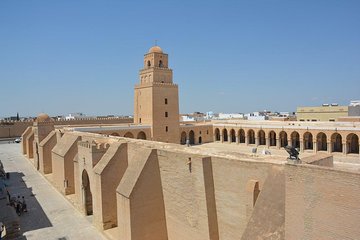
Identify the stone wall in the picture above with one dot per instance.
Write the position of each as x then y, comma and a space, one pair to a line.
321, 203
14, 129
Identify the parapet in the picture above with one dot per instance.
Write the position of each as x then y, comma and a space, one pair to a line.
94, 146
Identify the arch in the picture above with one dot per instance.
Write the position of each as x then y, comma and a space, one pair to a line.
352, 142
160, 63
129, 135
251, 137
87, 193
241, 136
295, 139
192, 137
200, 140
308, 141
141, 135
336, 143
225, 135
283, 139
183, 138
115, 134
261, 137
272, 138
217, 134
148, 63
321, 141
232, 135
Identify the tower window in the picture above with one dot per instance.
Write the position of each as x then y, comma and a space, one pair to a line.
148, 63
166, 101
166, 129
139, 120
160, 63
166, 114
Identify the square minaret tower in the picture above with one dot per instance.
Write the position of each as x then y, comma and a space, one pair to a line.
156, 100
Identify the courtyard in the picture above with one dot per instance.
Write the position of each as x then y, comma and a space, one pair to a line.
50, 215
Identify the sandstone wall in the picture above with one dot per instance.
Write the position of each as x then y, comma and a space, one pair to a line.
321, 203
13, 129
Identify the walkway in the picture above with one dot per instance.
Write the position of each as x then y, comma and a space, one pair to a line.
50, 215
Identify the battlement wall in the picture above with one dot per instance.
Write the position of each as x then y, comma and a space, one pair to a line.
12, 129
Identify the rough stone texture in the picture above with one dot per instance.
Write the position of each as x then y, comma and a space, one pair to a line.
320, 159
140, 200
234, 204
321, 203
45, 157
63, 155
268, 217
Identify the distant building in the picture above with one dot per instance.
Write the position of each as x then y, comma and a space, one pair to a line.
256, 116
231, 116
328, 112
73, 116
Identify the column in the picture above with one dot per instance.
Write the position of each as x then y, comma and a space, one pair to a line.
246, 141
237, 139
221, 138
267, 142
278, 143
301, 145
329, 147
256, 141
344, 148
315, 147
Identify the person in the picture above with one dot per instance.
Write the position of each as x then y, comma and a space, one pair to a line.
24, 208
2, 227
18, 206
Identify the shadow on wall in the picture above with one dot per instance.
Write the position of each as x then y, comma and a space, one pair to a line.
34, 218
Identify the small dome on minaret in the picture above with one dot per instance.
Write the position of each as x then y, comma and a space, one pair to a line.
155, 49
43, 117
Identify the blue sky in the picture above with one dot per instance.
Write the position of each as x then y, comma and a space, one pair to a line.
60, 57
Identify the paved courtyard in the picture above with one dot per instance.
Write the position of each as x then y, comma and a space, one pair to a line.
50, 215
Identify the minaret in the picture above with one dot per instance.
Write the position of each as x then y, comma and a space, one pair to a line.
156, 98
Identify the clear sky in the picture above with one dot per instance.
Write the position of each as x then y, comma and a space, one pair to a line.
84, 56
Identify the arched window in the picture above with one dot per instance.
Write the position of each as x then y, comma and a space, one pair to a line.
308, 141
217, 134
251, 137
261, 136
336, 142
160, 63
148, 63
283, 139
321, 142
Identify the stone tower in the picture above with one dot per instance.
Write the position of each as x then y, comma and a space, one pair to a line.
156, 98
42, 127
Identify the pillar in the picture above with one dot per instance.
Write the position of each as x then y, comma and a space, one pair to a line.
221, 138
301, 145
246, 141
278, 143
329, 147
315, 147
237, 139
256, 141
344, 148
267, 142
